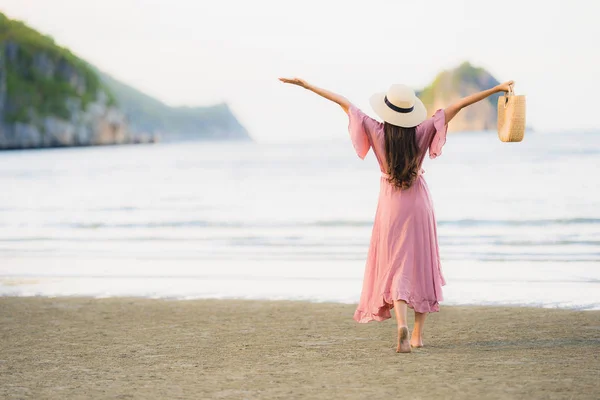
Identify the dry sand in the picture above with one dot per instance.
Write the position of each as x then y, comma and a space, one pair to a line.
133, 348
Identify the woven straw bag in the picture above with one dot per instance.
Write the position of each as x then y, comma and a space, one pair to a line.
511, 117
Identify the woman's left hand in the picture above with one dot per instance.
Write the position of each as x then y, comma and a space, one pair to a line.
505, 87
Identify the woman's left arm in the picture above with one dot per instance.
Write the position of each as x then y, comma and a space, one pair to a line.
336, 98
451, 111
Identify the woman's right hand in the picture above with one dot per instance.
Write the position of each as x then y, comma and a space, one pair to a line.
336, 98
505, 87
295, 81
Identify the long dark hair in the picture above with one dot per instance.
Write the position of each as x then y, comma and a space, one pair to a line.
402, 155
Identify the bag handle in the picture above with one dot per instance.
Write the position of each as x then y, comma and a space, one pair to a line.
511, 92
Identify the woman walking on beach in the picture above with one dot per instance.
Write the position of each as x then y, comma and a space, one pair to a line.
403, 264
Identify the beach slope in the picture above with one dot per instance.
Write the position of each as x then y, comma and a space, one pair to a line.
155, 349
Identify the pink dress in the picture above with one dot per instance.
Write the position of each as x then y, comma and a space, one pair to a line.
403, 262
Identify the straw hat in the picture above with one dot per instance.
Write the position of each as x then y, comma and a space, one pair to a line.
399, 106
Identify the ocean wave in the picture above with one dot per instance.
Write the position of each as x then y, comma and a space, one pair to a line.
524, 222
293, 253
325, 223
447, 241
211, 224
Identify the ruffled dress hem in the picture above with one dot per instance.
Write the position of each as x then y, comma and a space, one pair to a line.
383, 311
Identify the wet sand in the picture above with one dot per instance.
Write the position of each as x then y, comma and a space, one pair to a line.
155, 349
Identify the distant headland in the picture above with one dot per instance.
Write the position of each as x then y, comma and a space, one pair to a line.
51, 98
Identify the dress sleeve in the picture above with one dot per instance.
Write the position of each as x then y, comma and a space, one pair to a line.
439, 138
361, 128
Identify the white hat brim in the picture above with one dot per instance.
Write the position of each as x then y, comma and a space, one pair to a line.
405, 120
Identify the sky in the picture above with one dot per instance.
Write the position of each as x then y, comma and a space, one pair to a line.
196, 52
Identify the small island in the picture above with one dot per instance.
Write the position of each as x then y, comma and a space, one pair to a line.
449, 86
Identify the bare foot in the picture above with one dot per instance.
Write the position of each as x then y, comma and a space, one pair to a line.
403, 343
416, 341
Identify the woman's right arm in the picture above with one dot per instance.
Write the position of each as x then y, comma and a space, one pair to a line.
451, 111
336, 98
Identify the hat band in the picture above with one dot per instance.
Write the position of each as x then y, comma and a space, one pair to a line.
396, 108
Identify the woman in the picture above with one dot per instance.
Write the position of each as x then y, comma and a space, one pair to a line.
403, 265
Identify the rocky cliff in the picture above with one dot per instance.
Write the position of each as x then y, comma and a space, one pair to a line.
50, 98
462, 81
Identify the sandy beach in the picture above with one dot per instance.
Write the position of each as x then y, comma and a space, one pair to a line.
139, 348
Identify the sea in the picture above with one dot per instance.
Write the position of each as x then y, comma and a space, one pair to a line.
518, 223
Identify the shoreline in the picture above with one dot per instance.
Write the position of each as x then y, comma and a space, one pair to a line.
259, 299
546, 285
70, 347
